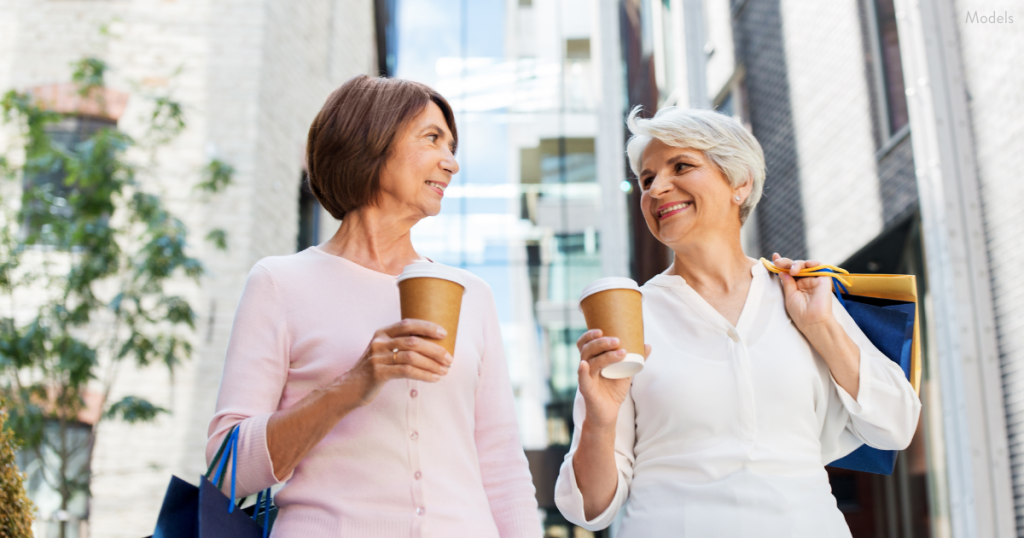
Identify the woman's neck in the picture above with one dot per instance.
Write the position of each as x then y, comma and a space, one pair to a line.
370, 237
713, 263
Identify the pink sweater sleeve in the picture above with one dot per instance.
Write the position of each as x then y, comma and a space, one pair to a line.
255, 372
503, 466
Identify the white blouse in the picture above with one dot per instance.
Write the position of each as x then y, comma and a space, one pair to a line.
726, 430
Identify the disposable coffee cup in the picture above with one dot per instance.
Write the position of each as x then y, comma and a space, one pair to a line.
433, 292
615, 305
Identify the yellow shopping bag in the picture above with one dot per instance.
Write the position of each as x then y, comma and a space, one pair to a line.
894, 288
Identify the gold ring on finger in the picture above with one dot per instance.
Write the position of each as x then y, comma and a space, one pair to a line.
394, 356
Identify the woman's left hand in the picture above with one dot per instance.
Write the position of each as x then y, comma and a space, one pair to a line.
808, 299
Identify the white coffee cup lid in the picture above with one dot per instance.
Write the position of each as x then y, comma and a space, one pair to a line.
609, 283
427, 269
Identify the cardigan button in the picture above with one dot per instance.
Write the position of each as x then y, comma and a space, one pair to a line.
420, 511
413, 393
414, 436
418, 475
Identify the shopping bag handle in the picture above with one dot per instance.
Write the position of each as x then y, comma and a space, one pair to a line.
839, 284
232, 454
264, 500
220, 452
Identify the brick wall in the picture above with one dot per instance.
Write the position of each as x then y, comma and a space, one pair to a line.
897, 182
252, 76
758, 34
832, 117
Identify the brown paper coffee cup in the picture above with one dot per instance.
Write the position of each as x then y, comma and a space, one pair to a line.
615, 305
433, 292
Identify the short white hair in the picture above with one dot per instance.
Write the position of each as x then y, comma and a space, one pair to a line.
721, 138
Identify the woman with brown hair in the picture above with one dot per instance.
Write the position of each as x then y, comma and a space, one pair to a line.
377, 430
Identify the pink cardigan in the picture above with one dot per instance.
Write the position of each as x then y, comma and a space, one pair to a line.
432, 460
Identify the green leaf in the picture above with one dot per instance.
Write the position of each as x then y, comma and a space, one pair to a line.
179, 311
219, 238
216, 176
139, 345
133, 409
167, 119
115, 303
88, 74
76, 360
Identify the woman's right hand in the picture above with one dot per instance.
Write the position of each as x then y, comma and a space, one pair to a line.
602, 396
416, 358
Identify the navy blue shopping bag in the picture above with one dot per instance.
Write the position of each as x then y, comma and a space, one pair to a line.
204, 512
890, 327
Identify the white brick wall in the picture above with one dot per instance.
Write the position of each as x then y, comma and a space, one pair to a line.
253, 75
991, 58
832, 123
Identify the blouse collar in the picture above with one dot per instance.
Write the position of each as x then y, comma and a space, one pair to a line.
678, 285
667, 279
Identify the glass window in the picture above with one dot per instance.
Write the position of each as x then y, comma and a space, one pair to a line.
48, 190
568, 160
309, 216
524, 211
42, 484
565, 360
670, 60
575, 263
726, 106
577, 49
891, 66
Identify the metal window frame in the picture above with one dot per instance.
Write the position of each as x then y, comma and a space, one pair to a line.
882, 110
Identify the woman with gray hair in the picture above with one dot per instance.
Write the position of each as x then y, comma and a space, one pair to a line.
751, 386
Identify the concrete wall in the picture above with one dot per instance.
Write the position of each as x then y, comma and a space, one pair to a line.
252, 75
990, 54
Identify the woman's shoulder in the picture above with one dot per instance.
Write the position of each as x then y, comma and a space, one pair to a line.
284, 266
662, 286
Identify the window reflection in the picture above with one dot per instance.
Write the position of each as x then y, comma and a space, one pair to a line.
524, 212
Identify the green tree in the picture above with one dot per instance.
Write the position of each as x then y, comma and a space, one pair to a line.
15, 508
85, 266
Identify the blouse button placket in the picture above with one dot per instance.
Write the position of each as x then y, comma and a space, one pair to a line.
745, 379
412, 418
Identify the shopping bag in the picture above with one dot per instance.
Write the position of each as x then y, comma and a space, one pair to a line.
885, 309
204, 512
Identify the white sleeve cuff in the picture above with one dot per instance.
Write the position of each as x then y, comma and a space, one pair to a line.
854, 406
571, 503
886, 410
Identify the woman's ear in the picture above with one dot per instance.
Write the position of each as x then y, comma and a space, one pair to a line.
743, 191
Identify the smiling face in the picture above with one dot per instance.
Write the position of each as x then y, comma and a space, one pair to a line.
421, 165
685, 197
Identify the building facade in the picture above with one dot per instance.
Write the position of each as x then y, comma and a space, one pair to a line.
891, 131
251, 77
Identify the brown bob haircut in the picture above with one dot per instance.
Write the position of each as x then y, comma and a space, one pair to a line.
351, 138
